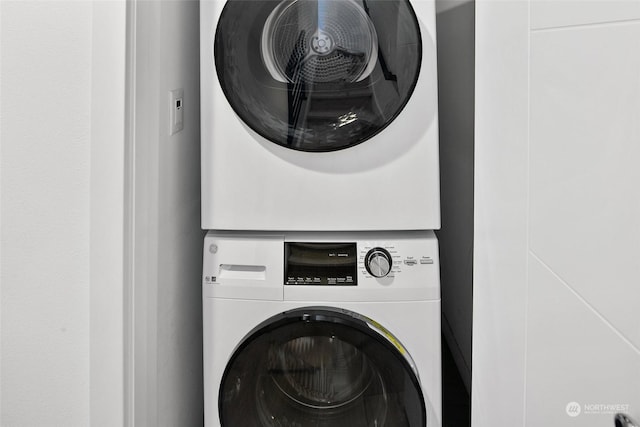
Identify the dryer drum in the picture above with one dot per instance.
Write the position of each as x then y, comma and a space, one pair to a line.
319, 367
317, 75
309, 41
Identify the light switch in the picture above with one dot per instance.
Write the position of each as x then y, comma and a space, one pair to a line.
176, 111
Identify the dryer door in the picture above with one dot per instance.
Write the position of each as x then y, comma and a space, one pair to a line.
321, 367
317, 75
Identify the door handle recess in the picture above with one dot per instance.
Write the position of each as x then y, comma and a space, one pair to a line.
245, 272
623, 420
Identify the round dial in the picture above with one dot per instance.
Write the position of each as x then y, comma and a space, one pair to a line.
378, 262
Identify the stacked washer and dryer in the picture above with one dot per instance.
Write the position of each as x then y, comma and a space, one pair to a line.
320, 188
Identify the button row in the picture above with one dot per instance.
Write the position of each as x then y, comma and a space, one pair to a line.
423, 260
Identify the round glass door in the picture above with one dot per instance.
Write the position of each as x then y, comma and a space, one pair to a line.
320, 367
317, 75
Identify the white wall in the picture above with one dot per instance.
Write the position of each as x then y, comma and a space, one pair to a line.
584, 210
167, 262
557, 213
80, 211
500, 213
61, 136
456, 75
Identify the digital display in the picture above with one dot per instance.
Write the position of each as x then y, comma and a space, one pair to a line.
333, 264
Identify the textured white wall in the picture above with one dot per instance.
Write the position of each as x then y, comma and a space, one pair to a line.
56, 110
45, 161
107, 220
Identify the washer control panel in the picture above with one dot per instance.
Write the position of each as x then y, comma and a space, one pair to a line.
378, 262
319, 266
384, 260
320, 263
342, 263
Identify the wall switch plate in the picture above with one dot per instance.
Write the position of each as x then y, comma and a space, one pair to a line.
176, 108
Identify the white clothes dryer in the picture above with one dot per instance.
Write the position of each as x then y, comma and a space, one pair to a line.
319, 115
322, 330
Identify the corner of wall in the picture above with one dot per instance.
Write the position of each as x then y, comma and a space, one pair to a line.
456, 56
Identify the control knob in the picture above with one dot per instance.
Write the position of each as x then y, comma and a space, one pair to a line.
378, 262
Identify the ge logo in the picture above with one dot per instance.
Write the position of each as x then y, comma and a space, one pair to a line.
573, 409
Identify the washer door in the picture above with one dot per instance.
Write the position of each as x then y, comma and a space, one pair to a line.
317, 75
320, 367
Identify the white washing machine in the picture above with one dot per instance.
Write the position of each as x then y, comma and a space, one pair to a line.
319, 115
322, 330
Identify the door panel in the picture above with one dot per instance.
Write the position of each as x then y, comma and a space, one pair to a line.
318, 75
321, 367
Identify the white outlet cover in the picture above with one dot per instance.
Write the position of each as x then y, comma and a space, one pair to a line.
176, 111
